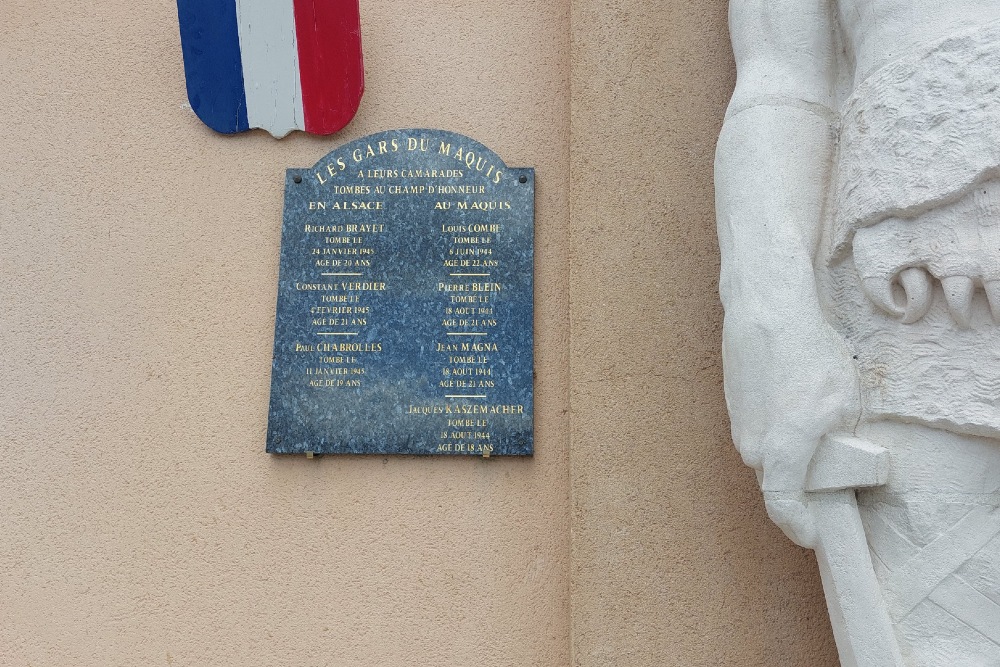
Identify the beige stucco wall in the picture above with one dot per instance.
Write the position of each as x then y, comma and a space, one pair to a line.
141, 522
674, 560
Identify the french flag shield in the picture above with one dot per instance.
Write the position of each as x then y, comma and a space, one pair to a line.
278, 65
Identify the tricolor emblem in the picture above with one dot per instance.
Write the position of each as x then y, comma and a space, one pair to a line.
279, 65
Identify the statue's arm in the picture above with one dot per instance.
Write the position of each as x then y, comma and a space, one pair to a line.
789, 377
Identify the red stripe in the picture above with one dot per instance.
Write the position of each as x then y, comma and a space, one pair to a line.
331, 68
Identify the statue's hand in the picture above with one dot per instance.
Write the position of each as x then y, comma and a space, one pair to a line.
789, 382
790, 511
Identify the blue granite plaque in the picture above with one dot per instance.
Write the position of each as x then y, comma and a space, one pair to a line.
405, 312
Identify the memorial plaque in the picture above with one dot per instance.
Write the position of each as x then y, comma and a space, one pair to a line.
405, 313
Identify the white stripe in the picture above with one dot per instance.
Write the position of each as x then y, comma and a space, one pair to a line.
270, 65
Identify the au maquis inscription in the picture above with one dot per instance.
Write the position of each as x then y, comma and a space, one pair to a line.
404, 317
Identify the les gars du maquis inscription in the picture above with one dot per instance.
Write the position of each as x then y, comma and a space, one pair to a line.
404, 317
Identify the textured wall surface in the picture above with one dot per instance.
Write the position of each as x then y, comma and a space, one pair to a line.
141, 522
674, 559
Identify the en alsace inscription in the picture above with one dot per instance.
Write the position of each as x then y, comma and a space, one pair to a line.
404, 317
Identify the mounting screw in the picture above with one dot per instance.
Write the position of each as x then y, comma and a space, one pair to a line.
523, 179
297, 179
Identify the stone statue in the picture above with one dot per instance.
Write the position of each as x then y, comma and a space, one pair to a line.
858, 197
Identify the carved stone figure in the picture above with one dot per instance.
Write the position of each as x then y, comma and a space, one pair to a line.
858, 196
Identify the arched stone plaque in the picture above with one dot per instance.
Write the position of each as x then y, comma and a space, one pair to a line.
404, 316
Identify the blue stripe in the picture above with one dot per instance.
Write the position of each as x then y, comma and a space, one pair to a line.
211, 44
